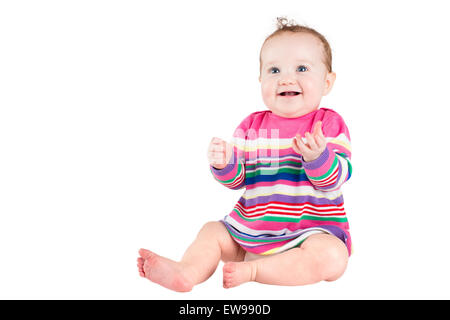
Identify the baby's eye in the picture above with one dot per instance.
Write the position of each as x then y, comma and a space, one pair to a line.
302, 69
274, 70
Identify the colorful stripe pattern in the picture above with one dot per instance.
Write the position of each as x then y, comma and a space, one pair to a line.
285, 198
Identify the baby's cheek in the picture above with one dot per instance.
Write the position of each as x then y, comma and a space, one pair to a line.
267, 94
312, 93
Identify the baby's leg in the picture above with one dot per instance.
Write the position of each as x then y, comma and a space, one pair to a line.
320, 257
199, 262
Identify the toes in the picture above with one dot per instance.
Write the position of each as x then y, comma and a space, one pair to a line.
228, 274
145, 254
227, 284
140, 265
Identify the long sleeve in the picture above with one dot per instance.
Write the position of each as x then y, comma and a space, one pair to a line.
233, 175
333, 167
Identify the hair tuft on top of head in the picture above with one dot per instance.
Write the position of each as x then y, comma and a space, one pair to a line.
283, 22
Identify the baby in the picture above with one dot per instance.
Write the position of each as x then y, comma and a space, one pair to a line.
290, 226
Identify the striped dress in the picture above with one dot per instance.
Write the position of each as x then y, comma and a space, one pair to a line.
286, 199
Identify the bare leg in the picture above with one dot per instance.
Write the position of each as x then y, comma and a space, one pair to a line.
213, 243
320, 257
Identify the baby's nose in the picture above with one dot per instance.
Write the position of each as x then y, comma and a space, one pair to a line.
286, 81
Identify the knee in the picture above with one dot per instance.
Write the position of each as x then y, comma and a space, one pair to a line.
212, 226
331, 256
336, 261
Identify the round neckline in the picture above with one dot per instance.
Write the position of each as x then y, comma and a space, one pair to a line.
306, 115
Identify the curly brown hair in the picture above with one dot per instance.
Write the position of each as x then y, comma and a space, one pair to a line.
285, 25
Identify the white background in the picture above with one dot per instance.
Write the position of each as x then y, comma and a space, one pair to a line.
107, 109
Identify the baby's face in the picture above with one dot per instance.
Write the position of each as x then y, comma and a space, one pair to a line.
294, 77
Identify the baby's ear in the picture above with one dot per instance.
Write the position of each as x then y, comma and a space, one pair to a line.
329, 82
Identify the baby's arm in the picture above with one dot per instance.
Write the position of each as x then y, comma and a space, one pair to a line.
225, 165
326, 157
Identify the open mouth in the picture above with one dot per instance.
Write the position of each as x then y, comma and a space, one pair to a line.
289, 93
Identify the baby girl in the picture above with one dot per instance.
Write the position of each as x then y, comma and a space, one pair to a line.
290, 226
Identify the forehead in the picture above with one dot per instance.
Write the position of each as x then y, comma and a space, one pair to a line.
292, 46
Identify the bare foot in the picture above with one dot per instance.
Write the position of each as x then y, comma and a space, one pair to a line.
237, 273
163, 271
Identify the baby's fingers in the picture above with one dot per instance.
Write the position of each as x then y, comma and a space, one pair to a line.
295, 146
298, 145
217, 144
311, 141
317, 130
320, 141
217, 148
216, 155
216, 159
216, 140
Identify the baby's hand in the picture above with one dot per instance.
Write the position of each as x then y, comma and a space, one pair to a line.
219, 153
316, 143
